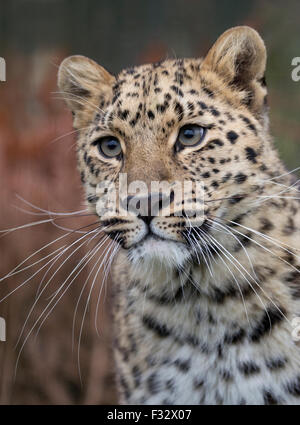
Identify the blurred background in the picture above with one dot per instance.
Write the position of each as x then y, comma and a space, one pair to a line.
37, 162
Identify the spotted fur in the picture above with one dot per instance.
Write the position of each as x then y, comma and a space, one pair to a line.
202, 314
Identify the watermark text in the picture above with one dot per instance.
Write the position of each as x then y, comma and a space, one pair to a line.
2, 329
2, 69
296, 71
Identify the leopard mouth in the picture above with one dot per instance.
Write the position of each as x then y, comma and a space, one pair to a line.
194, 231
151, 234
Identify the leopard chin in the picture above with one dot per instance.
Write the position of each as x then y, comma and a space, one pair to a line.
156, 252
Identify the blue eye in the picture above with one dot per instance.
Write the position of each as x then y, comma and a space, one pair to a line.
109, 146
190, 135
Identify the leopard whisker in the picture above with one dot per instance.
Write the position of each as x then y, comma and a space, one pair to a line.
107, 268
84, 286
202, 254
85, 260
232, 274
34, 223
85, 311
87, 242
33, 264
252, 278
24, 226
76, 98
268, 197
49, 212
41, 315
51, 278
196, 286
37, 297
285, 174
291, 187
15, 270
238, 266
24, 283
268, 239
225, 228
69, 134
51, 219
229, 198
72, 230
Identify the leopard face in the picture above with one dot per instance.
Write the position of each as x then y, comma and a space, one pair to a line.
202, 121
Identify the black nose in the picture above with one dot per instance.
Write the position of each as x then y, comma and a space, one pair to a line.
148, 207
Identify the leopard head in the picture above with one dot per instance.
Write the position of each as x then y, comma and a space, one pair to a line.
203, 121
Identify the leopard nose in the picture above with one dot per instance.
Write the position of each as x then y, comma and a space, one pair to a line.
147, 207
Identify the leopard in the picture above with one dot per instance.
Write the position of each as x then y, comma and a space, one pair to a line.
203, 305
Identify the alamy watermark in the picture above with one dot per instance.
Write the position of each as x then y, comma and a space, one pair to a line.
296, 71
159, 198
296, 329
2, 78
2, 69
2, 329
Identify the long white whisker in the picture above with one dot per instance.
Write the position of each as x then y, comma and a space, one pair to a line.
113, 254
33, 264
82, 290
202, 254
85, 311
267, 249
227, 230
69, 133
49, 212
232, 274
291, 187
24, 226
49, 280
79, 99
40, 316
24, 283
285, 174
254, 280
37, 252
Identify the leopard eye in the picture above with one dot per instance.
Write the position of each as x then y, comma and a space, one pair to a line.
109, 146
190, 135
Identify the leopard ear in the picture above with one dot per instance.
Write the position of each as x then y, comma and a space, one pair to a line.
83, 83
239, 57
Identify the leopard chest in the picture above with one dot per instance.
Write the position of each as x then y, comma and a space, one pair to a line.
193, 352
